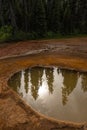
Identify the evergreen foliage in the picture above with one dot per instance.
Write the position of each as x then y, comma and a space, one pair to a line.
37, 18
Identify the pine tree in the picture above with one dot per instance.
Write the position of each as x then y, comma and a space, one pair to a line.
38, 18
53, 8
82, 16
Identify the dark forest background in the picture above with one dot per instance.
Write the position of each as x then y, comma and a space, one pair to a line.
31, 19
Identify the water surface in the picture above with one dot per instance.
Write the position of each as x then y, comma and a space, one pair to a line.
57, 93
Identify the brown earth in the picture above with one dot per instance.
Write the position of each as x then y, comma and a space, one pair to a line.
14, 112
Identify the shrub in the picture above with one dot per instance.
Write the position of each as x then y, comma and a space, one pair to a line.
5, 33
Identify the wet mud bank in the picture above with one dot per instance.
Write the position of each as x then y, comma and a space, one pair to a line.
14, 112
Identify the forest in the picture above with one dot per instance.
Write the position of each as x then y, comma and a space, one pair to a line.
31, 19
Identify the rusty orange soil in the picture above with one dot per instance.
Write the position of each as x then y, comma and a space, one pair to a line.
14, 112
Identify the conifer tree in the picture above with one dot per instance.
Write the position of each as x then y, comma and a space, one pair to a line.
38, 18
82, 15
54, 15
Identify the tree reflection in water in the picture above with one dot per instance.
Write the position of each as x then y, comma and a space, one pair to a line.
70, 81
50, 79
15, 81
26, 80
84, 82
35, 83
46, 86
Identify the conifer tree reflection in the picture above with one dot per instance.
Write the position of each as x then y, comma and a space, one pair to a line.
50, 78
70, 81
26, 80
84, 82
58, 71
14, 82
35, 77
40, 75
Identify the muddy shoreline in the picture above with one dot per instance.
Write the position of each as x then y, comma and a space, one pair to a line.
14, 112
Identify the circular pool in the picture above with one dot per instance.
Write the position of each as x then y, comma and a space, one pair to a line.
54, 92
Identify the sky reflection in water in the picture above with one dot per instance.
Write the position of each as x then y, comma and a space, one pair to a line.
57, 93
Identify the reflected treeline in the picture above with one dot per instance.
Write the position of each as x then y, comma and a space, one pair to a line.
69, 84
36, 81
26, 75
14, 82
33, 81
84, 82
50, 78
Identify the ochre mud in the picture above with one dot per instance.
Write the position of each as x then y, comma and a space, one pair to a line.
15, 114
